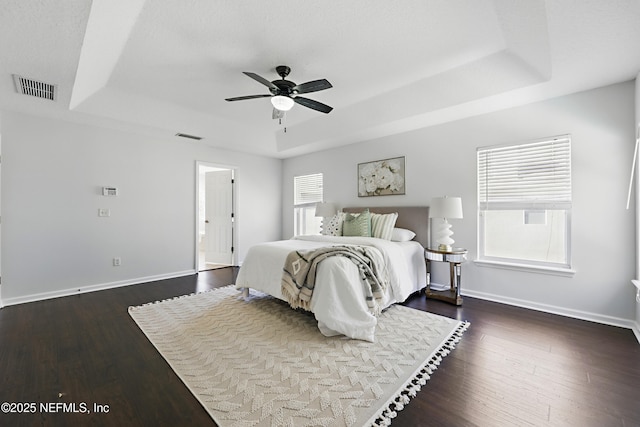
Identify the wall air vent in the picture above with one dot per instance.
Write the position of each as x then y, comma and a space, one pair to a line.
35, 88
186, 135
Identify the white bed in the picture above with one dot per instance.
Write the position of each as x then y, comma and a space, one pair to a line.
338, 301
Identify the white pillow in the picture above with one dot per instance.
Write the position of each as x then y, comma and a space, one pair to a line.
402, 235
333, 227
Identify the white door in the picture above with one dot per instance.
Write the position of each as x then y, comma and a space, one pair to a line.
219, 217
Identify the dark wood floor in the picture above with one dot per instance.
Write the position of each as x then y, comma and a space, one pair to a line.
513, 366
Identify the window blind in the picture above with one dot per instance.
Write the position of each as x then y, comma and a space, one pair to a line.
307, 189
524, 175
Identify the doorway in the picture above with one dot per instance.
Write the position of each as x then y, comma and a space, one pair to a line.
215, 216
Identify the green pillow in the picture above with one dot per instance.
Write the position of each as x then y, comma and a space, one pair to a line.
357, 224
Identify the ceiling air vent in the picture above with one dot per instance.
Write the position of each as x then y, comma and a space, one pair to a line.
186, 135
35, 88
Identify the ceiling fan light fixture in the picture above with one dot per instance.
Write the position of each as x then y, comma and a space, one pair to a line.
282, 103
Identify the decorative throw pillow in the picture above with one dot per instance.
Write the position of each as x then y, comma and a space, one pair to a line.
333, 227
382, 225
402, 235
357, 224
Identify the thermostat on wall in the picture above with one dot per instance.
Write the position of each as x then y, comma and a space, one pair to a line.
109, 191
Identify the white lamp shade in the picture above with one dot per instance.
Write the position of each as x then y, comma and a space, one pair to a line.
325, 209
446, 207
282, 103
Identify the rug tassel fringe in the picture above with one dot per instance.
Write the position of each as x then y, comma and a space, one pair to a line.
421, 378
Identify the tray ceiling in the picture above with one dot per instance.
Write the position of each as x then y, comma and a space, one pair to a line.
163, 67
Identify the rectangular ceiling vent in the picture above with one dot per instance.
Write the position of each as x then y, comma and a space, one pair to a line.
35, 88
186, 135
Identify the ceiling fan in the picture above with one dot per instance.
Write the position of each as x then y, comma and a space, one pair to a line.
284, 93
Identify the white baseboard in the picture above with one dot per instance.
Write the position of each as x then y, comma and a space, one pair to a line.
93, 288
567, 312
636, 330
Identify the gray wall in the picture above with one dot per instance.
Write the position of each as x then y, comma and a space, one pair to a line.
441, 160
54, 243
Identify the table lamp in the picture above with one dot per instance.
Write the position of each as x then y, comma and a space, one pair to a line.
325, 210
445, 208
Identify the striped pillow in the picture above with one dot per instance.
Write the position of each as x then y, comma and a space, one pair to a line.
357, 224
382, 225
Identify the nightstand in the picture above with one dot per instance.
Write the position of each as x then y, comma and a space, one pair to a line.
454, 257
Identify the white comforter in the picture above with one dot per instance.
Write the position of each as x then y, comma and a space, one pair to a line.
338, 301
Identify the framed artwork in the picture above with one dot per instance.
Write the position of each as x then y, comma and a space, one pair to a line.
381, 178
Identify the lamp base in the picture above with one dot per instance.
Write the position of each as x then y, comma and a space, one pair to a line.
443, 236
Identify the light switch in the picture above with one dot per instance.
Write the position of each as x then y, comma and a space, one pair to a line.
104, 212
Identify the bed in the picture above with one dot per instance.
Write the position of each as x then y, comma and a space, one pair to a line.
338, 302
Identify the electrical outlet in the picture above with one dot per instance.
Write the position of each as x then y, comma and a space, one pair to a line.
117, 261
104, 212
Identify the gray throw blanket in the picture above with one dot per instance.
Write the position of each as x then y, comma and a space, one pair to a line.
299, 275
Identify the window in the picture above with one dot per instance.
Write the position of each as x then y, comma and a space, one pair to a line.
524, 203
307, 192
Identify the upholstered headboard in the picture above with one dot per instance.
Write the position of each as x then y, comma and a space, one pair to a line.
414, 218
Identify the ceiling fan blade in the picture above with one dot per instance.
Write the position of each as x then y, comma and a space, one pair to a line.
277, 114
315, 105
240, 98
262, 80
313, 86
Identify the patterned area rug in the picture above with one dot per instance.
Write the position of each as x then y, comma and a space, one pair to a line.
257, 362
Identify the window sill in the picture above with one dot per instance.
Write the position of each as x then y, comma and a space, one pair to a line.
556, 271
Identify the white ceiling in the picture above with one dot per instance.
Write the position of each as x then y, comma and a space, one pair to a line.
166, 66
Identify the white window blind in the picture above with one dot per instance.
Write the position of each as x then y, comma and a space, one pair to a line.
307, 189
523, 175
524, 203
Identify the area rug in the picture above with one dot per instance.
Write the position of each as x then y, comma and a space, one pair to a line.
257, 362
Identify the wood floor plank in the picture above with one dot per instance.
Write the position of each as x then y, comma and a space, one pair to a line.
513, 366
